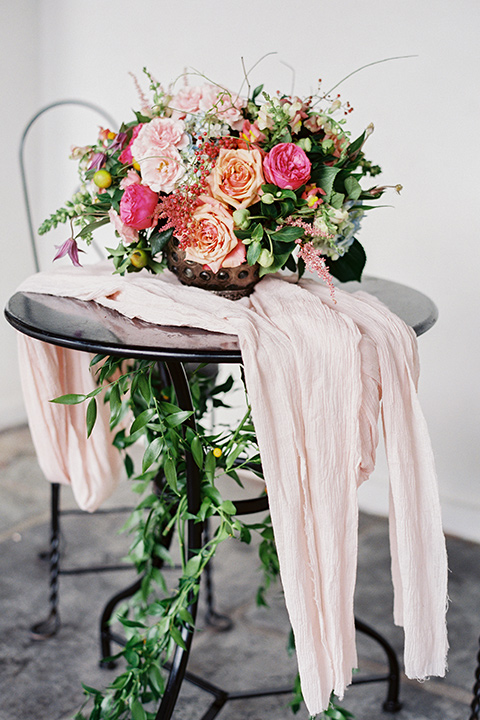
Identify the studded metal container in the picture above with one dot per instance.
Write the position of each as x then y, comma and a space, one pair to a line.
232, 283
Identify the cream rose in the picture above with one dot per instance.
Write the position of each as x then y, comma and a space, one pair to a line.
215, 243
237, 177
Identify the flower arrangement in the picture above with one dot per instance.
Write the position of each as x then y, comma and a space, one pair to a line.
272, 181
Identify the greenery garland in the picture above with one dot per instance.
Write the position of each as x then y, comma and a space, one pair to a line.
143, 405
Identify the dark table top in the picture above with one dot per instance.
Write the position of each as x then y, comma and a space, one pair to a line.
90, 327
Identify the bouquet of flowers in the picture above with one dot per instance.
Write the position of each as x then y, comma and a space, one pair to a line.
267, 181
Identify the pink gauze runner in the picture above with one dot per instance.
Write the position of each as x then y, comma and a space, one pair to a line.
318, 375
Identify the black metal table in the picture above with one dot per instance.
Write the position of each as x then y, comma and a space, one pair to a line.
89, 327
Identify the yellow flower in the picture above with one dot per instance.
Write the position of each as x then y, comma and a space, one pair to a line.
217, 452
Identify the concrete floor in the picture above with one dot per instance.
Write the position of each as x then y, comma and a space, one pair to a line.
40, 680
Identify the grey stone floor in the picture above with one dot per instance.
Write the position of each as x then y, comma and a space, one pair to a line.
40, 680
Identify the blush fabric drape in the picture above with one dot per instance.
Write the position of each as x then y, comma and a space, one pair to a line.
319, 373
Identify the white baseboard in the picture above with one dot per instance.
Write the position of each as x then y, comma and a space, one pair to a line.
459, 519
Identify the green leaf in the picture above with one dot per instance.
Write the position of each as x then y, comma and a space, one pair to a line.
158, 240
325, 177
91, 415
257, 92
353, 187
210, 465
90, 690
228, 507
287, 234
170, 471
253, 252
337, 200
211, 492
178, 418
175, 633
349, 266
70, 399
356, 144
186, 616
138, 713
130, 623
142, 419
144, 387
193, 566
98, 358
197, 451
233, 456
92, 226
152, 453
156, 680
257, 233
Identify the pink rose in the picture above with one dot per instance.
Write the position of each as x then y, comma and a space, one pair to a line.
186, 101
287, 166
137, 207
131, 178
158, 133
156, 150
215, 243
237, 177
125, 156
224, 105
127, 234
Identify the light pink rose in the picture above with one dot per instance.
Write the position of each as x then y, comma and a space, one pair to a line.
131, 178
187, 100
127, 234
156, 150
237, 177
215, 243
163, 169
159, 132
287, 166
224, 105
137, 207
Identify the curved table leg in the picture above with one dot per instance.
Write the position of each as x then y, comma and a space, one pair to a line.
475, 706
392, 703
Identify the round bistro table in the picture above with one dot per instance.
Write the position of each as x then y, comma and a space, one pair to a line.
89, 327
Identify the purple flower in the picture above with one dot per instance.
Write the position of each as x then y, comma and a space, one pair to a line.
98, 161
119, 142
69, 248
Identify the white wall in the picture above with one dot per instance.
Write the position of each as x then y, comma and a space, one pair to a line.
19, 79
425, 110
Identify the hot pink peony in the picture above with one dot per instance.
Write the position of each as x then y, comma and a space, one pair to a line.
215, 242
137, 207
287, 166
126, 154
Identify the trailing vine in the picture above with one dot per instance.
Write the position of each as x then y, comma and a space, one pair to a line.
143, 407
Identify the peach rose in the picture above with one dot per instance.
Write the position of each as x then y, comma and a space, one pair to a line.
237, 177
216, 244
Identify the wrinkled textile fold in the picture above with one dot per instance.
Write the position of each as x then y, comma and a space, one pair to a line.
90, 466
318, 373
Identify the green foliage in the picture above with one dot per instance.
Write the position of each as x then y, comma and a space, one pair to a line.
158, 617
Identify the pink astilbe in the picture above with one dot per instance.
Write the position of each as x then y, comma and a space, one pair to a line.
141, 95
315, 262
